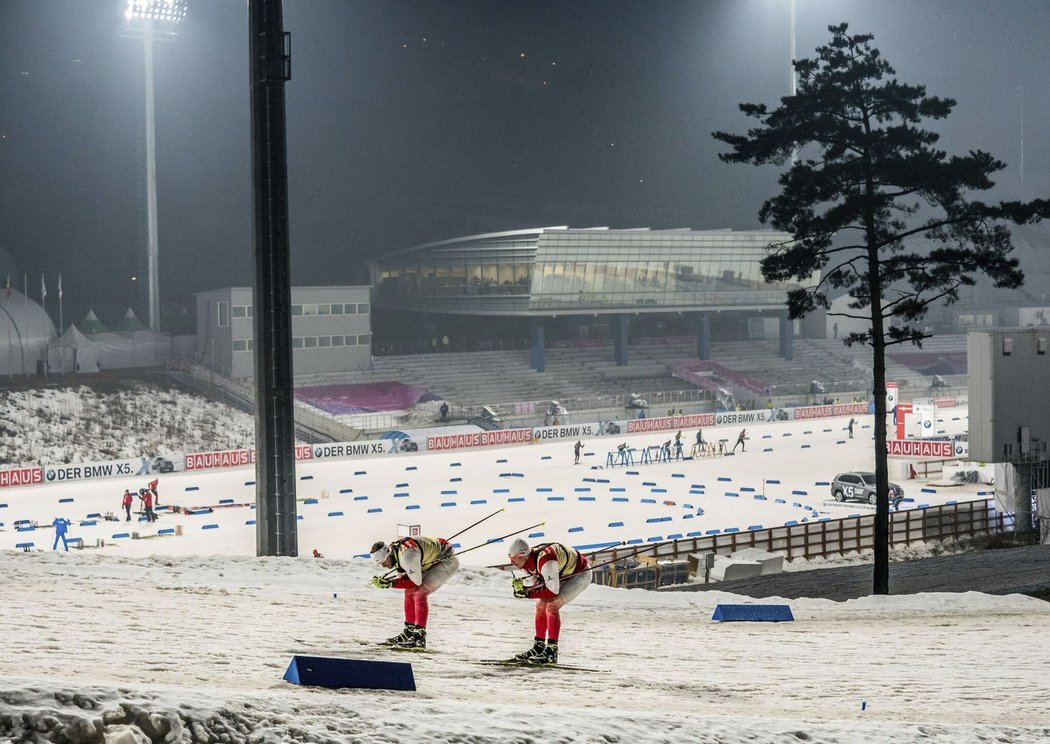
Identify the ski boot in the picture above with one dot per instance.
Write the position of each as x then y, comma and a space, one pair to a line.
400, 637
547, 657
416, 640
525, 657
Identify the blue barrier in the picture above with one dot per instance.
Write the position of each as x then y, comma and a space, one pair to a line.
616, 524
617, 489
306, 477
822, 483
927, 490
772, 481
790, 522
230, 501
67, 500
746, 488
515, 499
209, 526
576, 529
779, 501
632, 472
455, 464
582, 489
400, 494
657, 490
713, 532
503, 460
752, 613
620, 498
768, 449
399, 485
724, 478
648, 483
360, 498
166, 531
360, 472
24, 546
307, 501
536, 534
635, 541
90, 523
732, 494
448, 503
731, 529
448, 493
555, 498
652, 520
544, 490
249, 521
410, 507
655, 538
479, 501
805, 446
500, 490
677, 475
457, 479
693, 534
249, 483
648, 501
753, 527
192, 488
411, 467
375, 510
800, 493
675, 536
121, 535
545, 457
335, 514
300, 516
320, 671
585, 498
346, 490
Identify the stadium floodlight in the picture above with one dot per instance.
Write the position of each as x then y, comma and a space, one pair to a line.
152, 20
165, 11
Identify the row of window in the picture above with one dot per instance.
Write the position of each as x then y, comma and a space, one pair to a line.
311, 342
313, 309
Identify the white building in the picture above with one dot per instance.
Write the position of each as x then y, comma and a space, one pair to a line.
331, 329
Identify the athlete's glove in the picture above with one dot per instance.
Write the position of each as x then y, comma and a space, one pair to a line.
381, 582
519, 588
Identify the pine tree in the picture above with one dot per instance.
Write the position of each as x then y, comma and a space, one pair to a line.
875, 211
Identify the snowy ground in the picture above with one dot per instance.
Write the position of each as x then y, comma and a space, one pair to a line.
187, 638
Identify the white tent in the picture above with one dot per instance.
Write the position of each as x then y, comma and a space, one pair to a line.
25, 330
73, 352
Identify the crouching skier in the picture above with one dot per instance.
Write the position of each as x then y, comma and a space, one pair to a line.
557, 574
423, 564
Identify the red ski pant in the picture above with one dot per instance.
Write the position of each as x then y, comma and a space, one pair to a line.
548, 615
417, 606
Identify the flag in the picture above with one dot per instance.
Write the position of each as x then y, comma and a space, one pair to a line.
43, 289
60, 286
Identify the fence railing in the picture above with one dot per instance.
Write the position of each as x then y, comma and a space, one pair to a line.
835, 537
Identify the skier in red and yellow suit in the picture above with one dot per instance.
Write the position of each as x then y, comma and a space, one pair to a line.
423, 564
557, 574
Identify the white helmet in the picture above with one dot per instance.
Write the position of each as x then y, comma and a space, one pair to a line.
518, 547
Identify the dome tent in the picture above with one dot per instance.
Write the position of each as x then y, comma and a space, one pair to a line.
25, 330
128, 324
91, 324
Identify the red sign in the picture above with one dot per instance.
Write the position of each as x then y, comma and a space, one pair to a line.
21, 477
236, 458
480, 439
664, 423
845, 409
939, 450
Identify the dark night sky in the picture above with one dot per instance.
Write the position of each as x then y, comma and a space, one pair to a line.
416, 121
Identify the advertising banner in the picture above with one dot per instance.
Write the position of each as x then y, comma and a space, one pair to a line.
932, 450
21, 477
663, 423
844, 409
95, 470
577, 431
236, 458
480, 439
367, 448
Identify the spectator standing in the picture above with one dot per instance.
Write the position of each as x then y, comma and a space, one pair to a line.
126, 503
576, 449
849, 427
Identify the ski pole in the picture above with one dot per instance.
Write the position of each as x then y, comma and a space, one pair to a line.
497, 539
490, 516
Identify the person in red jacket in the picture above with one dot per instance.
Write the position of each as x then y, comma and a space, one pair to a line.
557, 574
152, 485
423, 564
126, 503
147, 504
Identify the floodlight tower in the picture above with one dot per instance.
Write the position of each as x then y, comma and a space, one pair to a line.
151, 21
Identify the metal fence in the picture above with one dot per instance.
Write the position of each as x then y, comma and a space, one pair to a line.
835, 537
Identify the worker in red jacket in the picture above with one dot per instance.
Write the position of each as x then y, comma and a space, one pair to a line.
152, 485
557, 574
147, 504
126, 503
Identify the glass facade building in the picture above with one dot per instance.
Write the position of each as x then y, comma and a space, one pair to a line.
563, 271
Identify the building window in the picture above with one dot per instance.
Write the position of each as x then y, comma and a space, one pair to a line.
240, 344
351, 340
337, 309
324, 309
224, 314
362, 308
297, 309
324, 341
240, 311
297, 343
337, 340
310, 342
363, 339
309, 309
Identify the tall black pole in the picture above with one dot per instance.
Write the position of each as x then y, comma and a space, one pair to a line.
270, 69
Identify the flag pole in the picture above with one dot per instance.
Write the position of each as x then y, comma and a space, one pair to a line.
60, 328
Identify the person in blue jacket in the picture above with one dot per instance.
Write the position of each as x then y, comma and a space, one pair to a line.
61, 525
